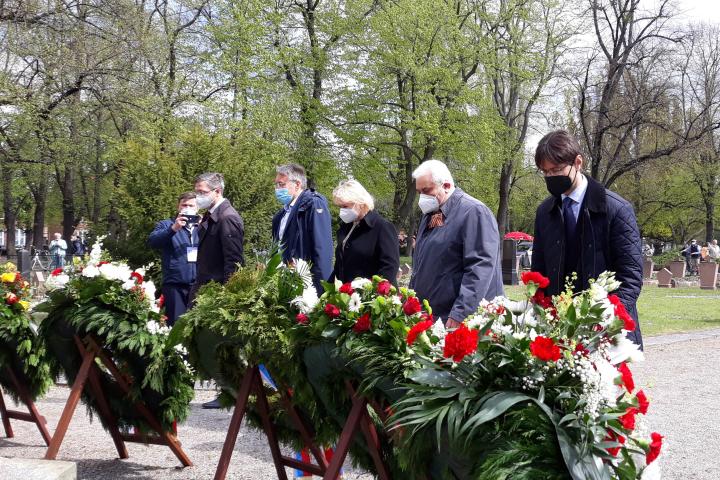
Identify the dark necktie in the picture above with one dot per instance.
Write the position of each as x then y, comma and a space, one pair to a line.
569, 217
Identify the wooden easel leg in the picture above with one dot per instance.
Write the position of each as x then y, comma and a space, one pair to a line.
168, 439
346, 437
264, 410
234, 428
5, 419
38, 419
373, 442
70, 406
305, 434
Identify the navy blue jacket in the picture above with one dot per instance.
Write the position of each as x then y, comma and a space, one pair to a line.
307, 234
173, 246
609, 240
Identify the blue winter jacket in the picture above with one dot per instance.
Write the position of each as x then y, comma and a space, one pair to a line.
609, 240
307, 234
173, 246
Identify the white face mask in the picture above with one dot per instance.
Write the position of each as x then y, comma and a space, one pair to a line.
348, 215
203, 201
189, 211
428, 203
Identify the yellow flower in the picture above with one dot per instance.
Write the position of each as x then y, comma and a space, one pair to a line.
24, 304
7, 277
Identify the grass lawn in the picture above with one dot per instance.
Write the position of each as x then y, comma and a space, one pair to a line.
668, 310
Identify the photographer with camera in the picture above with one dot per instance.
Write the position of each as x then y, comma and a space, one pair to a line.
178, 240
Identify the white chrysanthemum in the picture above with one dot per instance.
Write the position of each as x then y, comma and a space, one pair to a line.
360, 283
355, 302
395, 300
156, 328
140, 271
90, 271
519, 335
307, 301
180, 348
607, 388
476, 321
129, 284
598, 292
532, 334
115, 271
622, 350
438, 329
57, 281
516, 307
149, 289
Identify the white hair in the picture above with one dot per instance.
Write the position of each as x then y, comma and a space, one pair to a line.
352, 191
438, 171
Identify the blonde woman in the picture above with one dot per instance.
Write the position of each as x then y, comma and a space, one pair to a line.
367, 243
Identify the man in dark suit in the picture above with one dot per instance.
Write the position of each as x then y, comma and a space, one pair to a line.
221, 237
302, 226
583, 228
177, 239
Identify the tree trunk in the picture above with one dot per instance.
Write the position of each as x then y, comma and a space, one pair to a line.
39, 194
504, 188
9, 211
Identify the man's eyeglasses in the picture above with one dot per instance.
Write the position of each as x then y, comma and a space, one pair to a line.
202, 192
553, 172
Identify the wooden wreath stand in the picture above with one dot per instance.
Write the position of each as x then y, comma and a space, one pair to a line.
358, 418
31, 416
88, 377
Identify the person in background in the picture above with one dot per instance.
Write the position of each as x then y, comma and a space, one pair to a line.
366, 242
456, 260
177, 239
713, 251
692, 256
221, 234
583, 229
302, 225
77, 246
58, 247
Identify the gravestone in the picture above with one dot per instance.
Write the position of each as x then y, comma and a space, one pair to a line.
510, 262
664, 278
708, 275
677, 268
647, 268
23, 263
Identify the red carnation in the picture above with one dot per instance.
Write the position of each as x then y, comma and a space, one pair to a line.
541, 300
18, 277
56, 272
302, 319
11, 298
346, 288
104, 262
362, 324
545, 349
655, 446
628, 419
417, 329
580, 348
622, 313
138, 278
383, 287
332, 311
535, 277
460, 342
627, 378
614, 437
412, 306
161, 301
642, 401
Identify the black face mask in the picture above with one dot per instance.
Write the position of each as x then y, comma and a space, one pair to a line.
559, 184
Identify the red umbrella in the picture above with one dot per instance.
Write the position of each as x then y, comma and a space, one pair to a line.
518, 236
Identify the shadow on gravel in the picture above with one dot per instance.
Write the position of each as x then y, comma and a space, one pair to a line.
94, 469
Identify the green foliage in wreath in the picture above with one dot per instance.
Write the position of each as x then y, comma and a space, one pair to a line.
127, 326
245, 322
20, 350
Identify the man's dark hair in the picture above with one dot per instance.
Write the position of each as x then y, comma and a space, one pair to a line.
558, 147
186, 196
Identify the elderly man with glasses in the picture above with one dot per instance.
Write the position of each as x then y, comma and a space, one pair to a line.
583, 229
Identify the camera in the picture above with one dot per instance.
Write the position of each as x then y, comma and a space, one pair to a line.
192, 219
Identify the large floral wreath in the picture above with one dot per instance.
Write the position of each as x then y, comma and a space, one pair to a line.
20, 350
113, 303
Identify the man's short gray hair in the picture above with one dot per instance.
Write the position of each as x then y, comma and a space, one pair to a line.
437, 169
215, 180
294, 173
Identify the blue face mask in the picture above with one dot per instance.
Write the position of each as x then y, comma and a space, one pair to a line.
283, 196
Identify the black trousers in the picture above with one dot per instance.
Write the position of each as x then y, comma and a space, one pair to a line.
176, 300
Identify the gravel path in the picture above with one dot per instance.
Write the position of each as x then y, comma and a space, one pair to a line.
679, 375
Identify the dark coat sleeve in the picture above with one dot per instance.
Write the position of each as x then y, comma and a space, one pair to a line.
232, 234
162, 235
321, 254
388, 252
538, 251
